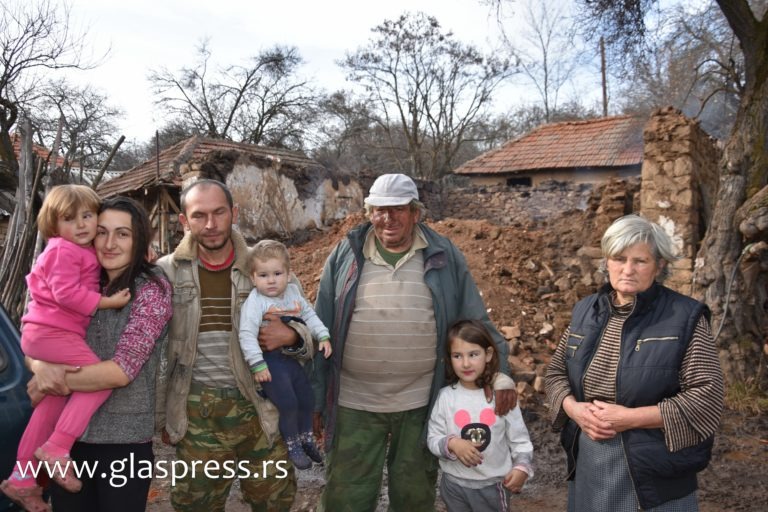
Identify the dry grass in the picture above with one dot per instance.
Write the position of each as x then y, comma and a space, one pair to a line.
747, 397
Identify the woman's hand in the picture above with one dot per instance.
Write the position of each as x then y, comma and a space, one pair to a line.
51, 378
583, 414
465, 451
626, 418
35, 395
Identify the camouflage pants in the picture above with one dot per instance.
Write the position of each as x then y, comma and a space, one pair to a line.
356, 462
224, 441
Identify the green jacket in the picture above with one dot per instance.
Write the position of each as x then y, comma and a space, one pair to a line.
176, 368
454, 295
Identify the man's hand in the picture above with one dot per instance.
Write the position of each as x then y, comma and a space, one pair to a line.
274, 334
506, 400
317, 425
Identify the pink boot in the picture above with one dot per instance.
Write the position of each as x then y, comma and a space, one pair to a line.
28, 498
61, 469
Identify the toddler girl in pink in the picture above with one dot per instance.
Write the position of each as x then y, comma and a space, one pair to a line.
64, 290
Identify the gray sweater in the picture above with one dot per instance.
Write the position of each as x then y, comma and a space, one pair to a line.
128, 416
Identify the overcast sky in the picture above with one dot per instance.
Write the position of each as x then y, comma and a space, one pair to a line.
144, 35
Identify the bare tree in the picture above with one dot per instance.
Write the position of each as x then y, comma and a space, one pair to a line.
263, 102
88, 122
35, 37
547, 48
695, 65
733, 239
343, 128
426, 90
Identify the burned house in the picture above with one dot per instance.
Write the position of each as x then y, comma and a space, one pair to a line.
278, 192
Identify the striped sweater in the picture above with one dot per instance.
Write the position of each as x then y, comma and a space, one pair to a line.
689, 417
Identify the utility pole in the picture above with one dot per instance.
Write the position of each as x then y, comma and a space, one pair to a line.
602, 71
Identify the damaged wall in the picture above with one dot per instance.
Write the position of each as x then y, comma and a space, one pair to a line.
276, 200
679, 185
523, 206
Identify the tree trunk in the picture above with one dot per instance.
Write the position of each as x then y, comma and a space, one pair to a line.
743, 173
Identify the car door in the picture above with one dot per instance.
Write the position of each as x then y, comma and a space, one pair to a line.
15, 408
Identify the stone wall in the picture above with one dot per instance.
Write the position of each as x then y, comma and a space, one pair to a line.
678, 185
506, 206
677, 189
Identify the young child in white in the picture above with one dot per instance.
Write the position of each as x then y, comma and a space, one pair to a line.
282, 378
483, 457
64, 290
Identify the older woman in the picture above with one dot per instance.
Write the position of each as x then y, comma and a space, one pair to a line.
635, 383
128, 342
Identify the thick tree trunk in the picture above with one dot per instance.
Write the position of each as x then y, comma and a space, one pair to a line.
743, 173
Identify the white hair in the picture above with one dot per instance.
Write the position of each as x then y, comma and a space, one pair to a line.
634, 229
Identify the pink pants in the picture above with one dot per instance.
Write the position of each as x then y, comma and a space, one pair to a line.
59, 419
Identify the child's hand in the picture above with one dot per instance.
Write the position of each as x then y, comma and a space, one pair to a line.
465, 451
116, 300
262, 376
325, 348
121, 298
514, 480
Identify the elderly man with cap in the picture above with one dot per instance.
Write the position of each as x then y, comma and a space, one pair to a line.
389, 292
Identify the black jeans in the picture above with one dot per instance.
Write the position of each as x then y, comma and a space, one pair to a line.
112, 488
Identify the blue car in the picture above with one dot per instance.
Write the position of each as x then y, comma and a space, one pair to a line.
15, 408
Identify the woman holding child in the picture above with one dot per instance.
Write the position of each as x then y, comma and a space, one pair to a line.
128, 342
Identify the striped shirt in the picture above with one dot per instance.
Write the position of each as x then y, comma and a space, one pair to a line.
390, 351
689, 417
212, 365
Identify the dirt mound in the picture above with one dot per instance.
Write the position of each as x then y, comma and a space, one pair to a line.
529, 279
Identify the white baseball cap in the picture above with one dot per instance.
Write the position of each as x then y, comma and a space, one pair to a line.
392, 190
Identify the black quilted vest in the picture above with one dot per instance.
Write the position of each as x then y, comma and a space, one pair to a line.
654, 340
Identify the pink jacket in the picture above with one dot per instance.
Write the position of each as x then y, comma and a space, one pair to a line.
64, 287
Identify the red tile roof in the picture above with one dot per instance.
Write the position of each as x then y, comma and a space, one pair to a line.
194, 148
603, 142
40, 151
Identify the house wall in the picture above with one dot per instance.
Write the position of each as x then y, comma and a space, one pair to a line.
524, 206
506, 206
678, 185
273, 203
539, 178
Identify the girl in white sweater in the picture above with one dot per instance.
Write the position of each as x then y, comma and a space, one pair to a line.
483, 457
